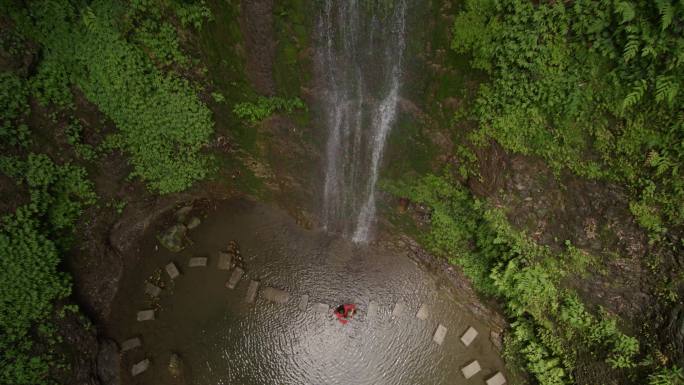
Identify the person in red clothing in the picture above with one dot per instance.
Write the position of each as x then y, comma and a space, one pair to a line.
345, 312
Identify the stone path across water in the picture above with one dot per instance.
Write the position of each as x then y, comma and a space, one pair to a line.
280, 296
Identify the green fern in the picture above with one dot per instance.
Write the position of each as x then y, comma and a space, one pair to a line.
635, 95
626, 9
666, 11
89, 19
666, 89
631, 48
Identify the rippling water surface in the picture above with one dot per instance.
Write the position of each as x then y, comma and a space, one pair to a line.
223, 340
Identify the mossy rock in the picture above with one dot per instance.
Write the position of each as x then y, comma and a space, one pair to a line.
174, 238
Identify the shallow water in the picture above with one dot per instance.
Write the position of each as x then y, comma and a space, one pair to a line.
223, 340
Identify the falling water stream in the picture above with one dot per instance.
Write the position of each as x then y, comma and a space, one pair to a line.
360, 53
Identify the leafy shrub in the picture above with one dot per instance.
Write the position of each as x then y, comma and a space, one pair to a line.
549, 324
590, 86
29, 259
265, 107
162, 122
84, 151
51, 85
13, 107
667, 376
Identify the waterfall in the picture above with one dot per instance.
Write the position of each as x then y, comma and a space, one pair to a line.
359, 66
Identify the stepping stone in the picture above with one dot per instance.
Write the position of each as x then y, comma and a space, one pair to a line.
303, 302
140, 367
152, 290
440, 334
321, 308
252, 291
224, 260
471, 369
198, 262
146, 315
423, 312
372, 310
497, 379
275, 295
130, 344
172, 270
398, 309
235, 278
469, 335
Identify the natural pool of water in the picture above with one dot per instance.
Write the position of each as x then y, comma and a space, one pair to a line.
224, 340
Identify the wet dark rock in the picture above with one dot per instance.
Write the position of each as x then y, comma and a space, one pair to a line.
174, 238
108, 363
594, 216
675, 327
257, 29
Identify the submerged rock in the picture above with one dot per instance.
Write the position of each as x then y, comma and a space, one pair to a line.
174, 238
192, 223
176, 366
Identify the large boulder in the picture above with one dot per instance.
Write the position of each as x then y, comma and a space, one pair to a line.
108, 363
174, 237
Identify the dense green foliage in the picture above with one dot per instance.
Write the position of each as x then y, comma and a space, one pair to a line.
163, 124
29, 257
13, 108
592, 86
550, 325
265, 107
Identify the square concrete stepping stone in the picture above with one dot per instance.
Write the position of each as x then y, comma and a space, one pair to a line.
140, 367
224, 260
131, 344
469, 335
440, 334
303, 302
152, 290
423, 312
145, 315
471, 369
398, 309
372, 310
321, 308
172, 270
198, 262
252, 291
275, 295
235, 278
497, 379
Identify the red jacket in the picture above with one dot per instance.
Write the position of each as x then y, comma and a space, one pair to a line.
347, 314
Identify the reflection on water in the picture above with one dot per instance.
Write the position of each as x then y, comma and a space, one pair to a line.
223, 340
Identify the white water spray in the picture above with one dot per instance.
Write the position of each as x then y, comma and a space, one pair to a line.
360, 50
